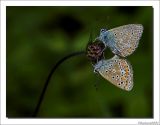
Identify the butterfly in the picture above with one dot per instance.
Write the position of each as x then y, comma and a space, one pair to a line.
122, 41
118, 71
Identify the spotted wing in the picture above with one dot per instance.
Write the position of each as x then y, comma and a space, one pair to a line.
117, 71
126, 39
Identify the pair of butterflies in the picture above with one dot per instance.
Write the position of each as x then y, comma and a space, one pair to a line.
122, 41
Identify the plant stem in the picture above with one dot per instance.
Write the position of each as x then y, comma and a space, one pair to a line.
49, 77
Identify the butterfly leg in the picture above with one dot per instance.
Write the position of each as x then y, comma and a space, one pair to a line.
103, 56
96, 84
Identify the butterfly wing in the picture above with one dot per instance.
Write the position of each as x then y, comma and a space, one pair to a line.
118, 71
124, 40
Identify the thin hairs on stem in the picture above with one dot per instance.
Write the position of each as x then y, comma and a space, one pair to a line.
49, 77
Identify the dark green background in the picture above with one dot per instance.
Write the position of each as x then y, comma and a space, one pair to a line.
37, 37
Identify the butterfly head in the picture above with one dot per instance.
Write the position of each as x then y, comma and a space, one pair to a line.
95, 51
98, 65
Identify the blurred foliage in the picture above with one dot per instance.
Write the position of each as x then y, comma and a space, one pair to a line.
37, 37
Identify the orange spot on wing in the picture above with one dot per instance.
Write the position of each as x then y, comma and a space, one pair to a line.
123, 78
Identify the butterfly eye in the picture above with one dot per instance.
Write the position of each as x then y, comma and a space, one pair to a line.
103, 30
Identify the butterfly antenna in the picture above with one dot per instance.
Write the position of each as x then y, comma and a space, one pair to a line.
90, 40
90, 37
92, 32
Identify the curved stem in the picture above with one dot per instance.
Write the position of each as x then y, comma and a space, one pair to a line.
49, 77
